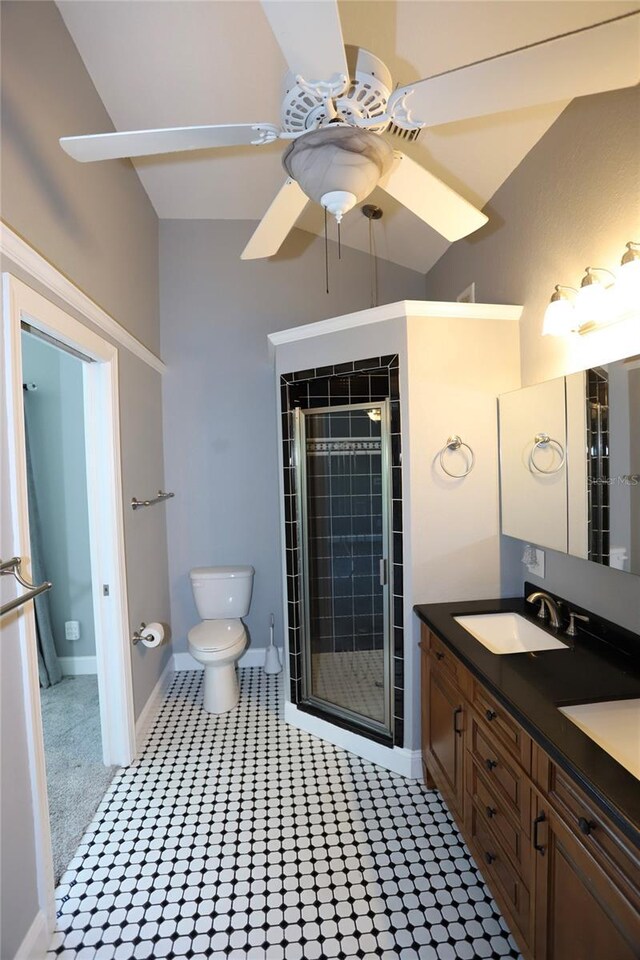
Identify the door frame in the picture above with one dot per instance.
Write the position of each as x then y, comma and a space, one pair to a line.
106, 527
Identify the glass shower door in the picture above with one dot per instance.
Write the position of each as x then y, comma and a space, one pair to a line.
343, 496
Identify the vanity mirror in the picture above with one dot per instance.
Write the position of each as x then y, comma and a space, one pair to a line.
570, 464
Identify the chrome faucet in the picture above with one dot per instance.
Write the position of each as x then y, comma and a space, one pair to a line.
546, 603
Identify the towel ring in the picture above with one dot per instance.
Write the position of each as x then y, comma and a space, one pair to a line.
541, 440
454, 443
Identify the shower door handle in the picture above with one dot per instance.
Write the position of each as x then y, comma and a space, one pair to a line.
383, 573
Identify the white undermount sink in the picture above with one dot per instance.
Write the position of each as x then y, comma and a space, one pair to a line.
614, 725
508, 633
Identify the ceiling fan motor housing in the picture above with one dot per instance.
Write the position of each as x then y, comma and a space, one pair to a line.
365, 97
338, 159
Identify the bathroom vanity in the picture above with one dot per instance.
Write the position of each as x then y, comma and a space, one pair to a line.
552, 819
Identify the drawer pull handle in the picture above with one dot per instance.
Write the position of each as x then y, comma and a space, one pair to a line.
536, 823
491, 812
439, 656
489, 857
586, 826
455, 721
490, 764
491, 715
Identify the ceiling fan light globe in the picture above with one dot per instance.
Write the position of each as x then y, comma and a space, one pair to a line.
338, 202
338, 159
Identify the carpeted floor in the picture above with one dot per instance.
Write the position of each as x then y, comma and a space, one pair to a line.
77, 779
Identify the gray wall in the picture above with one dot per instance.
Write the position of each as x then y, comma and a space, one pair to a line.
56, 434
573, 201
220, 397
96, 225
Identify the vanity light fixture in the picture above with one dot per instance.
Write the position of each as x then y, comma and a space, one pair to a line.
559, 317
593, 305
599, 301
627, 288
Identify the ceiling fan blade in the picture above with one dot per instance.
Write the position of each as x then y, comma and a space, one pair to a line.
592, 60
431, 199
310, 37
279, 219
143, 143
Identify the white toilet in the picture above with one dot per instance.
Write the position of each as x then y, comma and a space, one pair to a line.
223, 596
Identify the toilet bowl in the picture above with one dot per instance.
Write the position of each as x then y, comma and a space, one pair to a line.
222, 596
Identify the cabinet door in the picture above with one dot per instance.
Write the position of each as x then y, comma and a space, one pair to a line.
580, 914
424, 704
444, 737
533, 478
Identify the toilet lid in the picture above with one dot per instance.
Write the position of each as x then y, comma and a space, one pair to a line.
216, 634
221, 573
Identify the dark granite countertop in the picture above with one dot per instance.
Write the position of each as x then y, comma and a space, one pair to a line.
533, 686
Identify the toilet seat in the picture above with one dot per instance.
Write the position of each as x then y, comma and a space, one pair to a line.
214, 636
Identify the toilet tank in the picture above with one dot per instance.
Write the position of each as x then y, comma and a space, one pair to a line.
222, 593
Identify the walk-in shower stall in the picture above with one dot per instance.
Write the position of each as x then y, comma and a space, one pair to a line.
343, 531
342, 458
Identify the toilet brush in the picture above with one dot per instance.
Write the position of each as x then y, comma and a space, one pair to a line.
272, 657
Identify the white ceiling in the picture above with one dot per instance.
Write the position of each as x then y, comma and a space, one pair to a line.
180, 62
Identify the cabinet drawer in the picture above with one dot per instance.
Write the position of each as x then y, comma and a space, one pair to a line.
446, 663
501, 727
500, 821
508, 886
508, 782
618, 856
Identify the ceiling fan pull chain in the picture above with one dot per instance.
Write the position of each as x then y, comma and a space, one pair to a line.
326, 252
371, 265
339, 243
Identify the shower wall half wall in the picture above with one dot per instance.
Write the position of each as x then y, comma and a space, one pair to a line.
446, 364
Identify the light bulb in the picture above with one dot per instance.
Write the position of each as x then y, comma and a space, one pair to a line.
627, 288
559, 317
593, 301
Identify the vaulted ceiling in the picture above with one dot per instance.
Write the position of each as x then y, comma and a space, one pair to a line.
180, 62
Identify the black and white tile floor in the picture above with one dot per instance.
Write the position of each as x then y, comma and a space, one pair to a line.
242, 838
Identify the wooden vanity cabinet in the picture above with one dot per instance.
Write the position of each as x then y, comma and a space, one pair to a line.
580, 912
443, 721
584, 868
565, 879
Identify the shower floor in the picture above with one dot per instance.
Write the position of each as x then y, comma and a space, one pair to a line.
351, 679
77, 779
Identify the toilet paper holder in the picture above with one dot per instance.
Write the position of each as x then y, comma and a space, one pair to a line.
149, 634
138, 634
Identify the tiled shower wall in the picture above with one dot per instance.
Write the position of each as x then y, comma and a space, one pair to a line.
361, 381
598, 465
344, 494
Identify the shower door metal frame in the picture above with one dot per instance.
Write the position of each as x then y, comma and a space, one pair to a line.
300, 461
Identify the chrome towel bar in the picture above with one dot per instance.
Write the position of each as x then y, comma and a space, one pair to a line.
136, 504
13, 567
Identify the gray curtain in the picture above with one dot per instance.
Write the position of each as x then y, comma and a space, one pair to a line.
48, 663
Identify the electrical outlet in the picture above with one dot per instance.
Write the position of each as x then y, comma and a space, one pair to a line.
533, 559
72, 630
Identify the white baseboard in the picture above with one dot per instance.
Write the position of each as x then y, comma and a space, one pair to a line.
35, 944
408, 763
253, 657
152, 706
77, 666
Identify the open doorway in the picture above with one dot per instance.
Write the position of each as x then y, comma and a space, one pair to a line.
77, 778
78, 488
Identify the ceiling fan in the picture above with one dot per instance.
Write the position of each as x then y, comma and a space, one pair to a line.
339, 102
